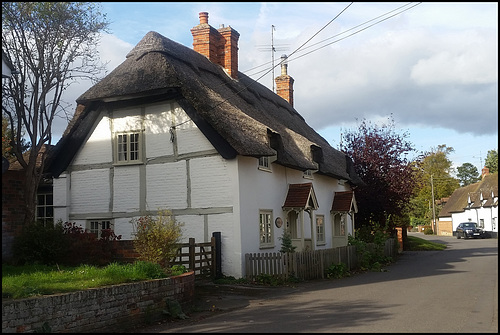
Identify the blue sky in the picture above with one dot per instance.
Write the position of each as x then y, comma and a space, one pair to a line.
432, 66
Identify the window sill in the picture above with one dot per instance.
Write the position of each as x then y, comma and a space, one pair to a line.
266, 246
128, 164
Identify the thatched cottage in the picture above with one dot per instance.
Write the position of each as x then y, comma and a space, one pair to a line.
182, 129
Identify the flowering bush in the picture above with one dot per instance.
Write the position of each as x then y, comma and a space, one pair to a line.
157, 238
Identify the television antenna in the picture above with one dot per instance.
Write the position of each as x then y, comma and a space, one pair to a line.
480, 159
273, 49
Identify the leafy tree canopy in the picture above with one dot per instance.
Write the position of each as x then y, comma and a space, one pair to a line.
379, 154
467, 174
491, 161
51, 45
434, 173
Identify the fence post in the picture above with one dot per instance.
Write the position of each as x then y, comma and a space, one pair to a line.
192, 253
218, 255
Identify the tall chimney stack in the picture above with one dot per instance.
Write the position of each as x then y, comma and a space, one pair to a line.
284, 83
220, 46
485, 172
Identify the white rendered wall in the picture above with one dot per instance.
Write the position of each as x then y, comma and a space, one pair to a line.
182, 172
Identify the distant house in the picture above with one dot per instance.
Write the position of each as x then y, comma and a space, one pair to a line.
183, 129
13, 203
477, 202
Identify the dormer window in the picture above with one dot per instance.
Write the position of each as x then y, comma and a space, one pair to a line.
308, 174
264, 163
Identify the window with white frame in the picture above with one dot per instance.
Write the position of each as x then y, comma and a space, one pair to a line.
481, 223
97, 226
266, 229
45, 208
307, 174
128, 147
264, 163
320, 229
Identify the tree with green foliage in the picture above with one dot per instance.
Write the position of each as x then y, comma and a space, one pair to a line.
379, 154
467, 174
286, 242
51, 46
491, 161
434, 173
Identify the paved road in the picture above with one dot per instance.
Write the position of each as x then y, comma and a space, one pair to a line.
455, 291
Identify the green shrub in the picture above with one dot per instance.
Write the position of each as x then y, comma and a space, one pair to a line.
86, 248
157, 239
40, 243
428, 231
177, 270
286, 242
337, 271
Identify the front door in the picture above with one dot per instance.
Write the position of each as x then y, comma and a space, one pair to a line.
293, 228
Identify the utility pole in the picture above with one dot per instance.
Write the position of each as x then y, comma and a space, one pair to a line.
433, 209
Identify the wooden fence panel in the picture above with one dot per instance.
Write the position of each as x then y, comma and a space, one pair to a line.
306, 265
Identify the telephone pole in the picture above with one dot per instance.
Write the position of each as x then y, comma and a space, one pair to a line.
433, 208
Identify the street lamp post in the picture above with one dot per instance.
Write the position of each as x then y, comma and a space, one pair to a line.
433, 209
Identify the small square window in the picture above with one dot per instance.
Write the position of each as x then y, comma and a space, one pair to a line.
264, 163
128, 148
307, 174
97, 226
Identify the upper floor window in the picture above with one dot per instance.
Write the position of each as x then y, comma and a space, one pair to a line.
128, 148
307, 174
264, 163
266, 228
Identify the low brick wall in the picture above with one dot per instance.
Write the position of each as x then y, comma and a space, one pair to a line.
109, 309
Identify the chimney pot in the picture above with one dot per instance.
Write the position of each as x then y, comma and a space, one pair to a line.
203, 17
284, 65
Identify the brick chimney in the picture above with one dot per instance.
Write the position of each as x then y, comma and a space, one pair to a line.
220, 46
485, 172
284, 83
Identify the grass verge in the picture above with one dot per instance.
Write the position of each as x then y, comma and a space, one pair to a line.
420, 244
36, 280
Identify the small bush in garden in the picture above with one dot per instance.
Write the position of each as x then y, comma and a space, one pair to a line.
176, 270
428, 231
337, 271
157, 238
40, 243
86, 248
286, 242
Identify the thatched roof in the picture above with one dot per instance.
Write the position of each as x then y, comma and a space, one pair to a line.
459, 200
239, 117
